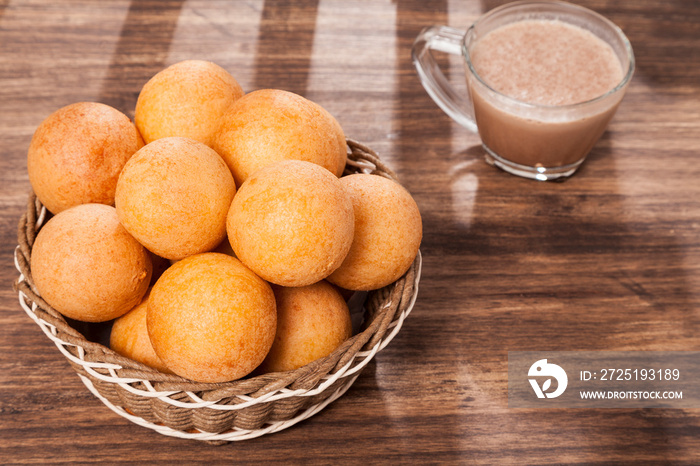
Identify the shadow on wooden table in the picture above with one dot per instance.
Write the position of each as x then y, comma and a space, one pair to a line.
141, 52
672, 57
516, 242
285, 45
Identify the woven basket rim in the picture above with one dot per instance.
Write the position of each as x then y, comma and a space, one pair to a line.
97, 363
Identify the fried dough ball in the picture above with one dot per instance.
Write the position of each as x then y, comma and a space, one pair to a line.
270, 125
77, 153
210, 319
291, 223
388, 233
87, 266
312, 321
186, 99
129, 337
174, 195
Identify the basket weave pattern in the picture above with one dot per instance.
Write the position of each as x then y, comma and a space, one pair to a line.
219, 412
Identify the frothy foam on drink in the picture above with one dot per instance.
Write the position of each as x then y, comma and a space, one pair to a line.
546, 62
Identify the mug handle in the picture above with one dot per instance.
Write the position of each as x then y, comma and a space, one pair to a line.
448, 40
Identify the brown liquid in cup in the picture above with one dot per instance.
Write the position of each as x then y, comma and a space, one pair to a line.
546, 63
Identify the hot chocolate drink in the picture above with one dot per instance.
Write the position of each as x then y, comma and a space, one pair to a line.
542, 64
544, 80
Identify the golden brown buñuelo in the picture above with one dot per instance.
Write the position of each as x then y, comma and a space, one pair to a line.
77, 153
87, 266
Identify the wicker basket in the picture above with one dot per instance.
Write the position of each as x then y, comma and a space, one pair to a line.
220, 412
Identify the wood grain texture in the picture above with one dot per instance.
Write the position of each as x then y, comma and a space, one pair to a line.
608, 260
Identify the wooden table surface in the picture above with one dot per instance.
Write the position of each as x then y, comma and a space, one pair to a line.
608, 260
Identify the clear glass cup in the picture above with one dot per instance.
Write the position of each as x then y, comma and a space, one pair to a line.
542, 142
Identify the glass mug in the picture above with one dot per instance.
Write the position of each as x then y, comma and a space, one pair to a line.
542, 142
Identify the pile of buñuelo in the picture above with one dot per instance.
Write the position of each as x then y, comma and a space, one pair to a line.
241, 196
